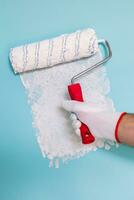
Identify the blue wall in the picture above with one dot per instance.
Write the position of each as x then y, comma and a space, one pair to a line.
24, 174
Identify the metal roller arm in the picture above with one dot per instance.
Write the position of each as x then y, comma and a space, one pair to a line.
104, 60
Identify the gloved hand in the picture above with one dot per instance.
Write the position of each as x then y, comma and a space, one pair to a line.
101, 122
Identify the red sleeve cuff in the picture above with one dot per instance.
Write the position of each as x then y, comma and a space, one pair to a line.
117, 126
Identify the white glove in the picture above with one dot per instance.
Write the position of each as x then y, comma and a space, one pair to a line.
101, 122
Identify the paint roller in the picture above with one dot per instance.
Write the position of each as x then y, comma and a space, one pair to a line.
62, 49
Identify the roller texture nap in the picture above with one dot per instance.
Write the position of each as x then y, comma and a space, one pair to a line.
65, 48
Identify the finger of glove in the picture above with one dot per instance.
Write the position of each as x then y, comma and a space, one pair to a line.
75, 106
78, 107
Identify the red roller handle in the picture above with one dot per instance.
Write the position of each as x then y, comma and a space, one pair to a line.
75, 93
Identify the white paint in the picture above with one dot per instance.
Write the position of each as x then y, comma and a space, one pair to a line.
46, 90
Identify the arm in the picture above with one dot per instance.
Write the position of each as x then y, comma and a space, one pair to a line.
126, 130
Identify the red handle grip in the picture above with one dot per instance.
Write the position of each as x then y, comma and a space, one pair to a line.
76, 94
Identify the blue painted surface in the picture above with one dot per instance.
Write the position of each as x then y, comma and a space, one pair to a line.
24, 174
